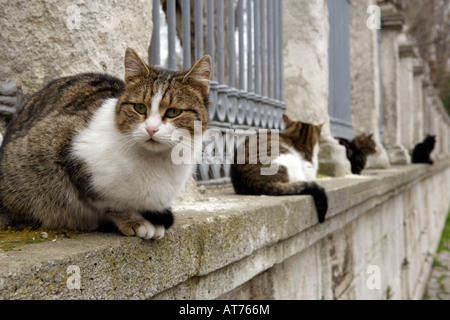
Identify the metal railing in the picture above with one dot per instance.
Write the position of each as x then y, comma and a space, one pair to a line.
339, 101
245, 40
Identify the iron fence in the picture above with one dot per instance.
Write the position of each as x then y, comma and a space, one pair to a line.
339, 103
245, 40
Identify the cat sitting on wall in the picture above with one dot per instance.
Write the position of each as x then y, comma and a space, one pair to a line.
358, 150
91, 148
297, 164
422, 151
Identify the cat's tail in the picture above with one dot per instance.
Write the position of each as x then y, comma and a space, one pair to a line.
302, 188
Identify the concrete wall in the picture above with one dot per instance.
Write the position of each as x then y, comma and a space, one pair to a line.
366, 83
306, 35
385, 224
44, 40
396, 238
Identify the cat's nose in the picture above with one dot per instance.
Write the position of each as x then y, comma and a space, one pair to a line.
151, 131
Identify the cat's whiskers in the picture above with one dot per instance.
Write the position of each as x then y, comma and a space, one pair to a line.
128, 140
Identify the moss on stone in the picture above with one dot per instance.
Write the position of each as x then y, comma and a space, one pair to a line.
12, 239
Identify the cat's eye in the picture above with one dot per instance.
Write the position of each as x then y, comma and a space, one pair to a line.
173, 113
140, 108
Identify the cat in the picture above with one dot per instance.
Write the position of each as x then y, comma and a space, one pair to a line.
297, 167
422, 151
92, 148
358, 150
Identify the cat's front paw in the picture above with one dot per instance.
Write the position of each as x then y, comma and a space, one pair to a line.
142, 229
148, 231
134, 224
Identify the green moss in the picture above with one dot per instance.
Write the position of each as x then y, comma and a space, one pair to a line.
405, 263
442, 287
388, 293
322, 175
444, 245
12, 239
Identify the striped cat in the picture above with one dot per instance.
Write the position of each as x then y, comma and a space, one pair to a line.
92, 148
297, 166
358, 150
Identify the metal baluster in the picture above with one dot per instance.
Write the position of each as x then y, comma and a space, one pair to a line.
156, 38
278, 122
242, 100
249, 47
232, 92
186, 22
255, 99
262, 28
257, 51
220, 42
211, 50
252, 106
240, 15
171, 24
273, 107
199, 51
210, 33
222, 99
270, 47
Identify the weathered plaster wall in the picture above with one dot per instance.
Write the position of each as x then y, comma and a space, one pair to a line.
306, 76
225, 246
44, 40
365, 75
398, 238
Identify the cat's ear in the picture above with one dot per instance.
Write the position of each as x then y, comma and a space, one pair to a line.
320, 126
287, 121
370, 136
200, 73
134, 65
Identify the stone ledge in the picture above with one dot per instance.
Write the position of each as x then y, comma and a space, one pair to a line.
215, 245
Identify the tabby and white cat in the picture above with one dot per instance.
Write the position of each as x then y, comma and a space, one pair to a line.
358, 150
297, 166
92, 148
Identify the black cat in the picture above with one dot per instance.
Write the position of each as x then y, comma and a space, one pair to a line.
422, 151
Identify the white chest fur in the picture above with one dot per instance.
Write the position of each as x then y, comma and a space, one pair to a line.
126, 177
297, 167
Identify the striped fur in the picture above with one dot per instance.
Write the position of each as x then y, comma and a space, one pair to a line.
79, 153
297, 160
358, 150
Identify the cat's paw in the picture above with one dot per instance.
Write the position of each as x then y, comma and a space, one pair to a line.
134, 224
142, 229
159, 232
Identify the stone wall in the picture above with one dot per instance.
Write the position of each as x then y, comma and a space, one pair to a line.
306, 33
366, 83
395, 239
44, 40
378, 242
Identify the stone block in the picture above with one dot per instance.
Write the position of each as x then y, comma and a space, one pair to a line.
45, 40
